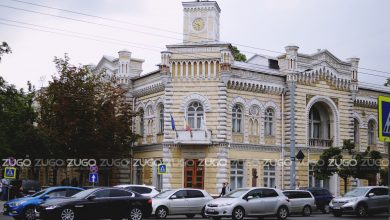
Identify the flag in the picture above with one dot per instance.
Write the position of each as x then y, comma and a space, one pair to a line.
173, 123
187, 126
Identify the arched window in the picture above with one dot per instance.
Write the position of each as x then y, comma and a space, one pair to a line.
237, 116
161, 119
371, 133
356, 132
141, 122
195, 113
269, 122
314, 123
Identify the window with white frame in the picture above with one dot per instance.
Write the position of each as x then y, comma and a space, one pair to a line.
195, 113
236, 174
371, 133
161, 118
314, 123
313, 182
269, 122
237, 119
254, 112
269, 175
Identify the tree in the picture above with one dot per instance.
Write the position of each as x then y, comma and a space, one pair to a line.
4, 48
87, 114
238, 56
327, 165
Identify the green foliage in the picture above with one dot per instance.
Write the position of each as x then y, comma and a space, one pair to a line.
4, 48
86, 114
238, 56
348, 145
325, 166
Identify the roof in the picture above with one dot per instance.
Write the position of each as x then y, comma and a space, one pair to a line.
256, 68
376, 89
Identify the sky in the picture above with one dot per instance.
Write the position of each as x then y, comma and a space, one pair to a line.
347, 28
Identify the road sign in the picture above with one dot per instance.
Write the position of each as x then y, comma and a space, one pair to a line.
93, 177
10, 173
94, 169
384, 118
162, 169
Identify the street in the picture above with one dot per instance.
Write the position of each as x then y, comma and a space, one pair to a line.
315, 216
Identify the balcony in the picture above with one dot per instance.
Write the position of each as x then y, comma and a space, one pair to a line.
196, 137
317, 142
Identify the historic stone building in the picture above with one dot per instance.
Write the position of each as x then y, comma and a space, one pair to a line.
240, 112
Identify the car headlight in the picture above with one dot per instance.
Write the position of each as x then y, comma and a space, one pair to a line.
14, 204
225, 204
51, 207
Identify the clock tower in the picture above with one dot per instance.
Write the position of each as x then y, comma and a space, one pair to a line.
201, 21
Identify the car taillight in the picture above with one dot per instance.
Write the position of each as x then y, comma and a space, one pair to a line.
149, 201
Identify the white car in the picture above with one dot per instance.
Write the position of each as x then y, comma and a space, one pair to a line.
144, 190
187, 202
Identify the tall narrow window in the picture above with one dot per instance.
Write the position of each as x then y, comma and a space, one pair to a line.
269, 122
161, 119
237, 115
236, 174
269, 175
195, 113
371, 133
141, 122
356, 132
314, 123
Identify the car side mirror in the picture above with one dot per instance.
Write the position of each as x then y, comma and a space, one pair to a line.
371, 195
91, 198
249, 198
45, 197
173, 197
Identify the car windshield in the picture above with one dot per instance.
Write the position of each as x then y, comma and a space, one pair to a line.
164, 194
83, 194
236, 193
39, 193
356, 192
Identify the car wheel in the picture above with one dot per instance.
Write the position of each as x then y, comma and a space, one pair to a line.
203, 213
306, 211
161, 212
325, 209
337, 213
238, 213
29, 214
361, 210
282, 213
135, 214
67, 214
190, 215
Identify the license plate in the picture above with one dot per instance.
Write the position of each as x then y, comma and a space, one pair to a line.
211, 210
336, 207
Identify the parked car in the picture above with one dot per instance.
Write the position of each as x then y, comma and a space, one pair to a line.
362, 201
24, 208
97, 203
322, 198
258, 202
150, 191
301, 201
187, 202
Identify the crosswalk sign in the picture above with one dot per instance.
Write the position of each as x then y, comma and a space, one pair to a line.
384, 118
10, 173
93, 177
162, 169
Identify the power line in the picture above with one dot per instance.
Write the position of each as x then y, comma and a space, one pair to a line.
165, 30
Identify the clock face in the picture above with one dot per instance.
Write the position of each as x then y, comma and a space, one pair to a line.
198, 24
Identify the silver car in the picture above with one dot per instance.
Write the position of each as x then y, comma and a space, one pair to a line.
187, 202
243, 202
301, 201
361, 201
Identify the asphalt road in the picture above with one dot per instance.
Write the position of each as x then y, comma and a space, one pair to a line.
315, 216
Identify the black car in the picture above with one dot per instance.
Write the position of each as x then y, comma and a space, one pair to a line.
98, 203
322, 198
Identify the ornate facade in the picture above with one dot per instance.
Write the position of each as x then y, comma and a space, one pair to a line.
240, 112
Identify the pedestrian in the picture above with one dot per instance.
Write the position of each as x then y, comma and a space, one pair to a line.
223, 191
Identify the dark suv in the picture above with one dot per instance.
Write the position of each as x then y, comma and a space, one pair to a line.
322, 198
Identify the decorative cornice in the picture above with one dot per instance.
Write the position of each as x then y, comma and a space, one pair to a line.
149, 89
143, 148
252, 147
255, 86
366, 102
324, 74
